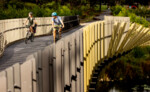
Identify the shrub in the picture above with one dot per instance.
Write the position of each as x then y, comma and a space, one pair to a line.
84, 8
116, 9
50, 5
97, 7
38, 12
122, 11
76, 12
48, 12
30, 5
11, 12
142, 11
64, 11
133, 66
146, 68
138, 52
17, 9
2, 14
16, 3
104, 7
23, 13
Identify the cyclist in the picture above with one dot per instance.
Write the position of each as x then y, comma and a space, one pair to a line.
31, 22
57, 24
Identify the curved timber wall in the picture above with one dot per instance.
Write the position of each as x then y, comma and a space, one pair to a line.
66, 66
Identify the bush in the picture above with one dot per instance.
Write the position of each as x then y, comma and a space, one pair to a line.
138, 52
50, 5
48, 12
17, 9
84, 8
11, 12
133, 66
122, 11
65, 11
30, 5
97, 7
15, 3
104, 7
116, 9
45, 10
142, 11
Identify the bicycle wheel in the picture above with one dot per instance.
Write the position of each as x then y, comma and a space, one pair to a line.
27, 37
26, 40
32, 37
57, 35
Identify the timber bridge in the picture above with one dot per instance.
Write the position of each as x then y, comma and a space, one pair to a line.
73, 63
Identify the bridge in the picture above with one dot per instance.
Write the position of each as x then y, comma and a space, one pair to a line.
74, 63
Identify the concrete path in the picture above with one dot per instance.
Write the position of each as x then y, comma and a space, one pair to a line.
19, 51
101, 16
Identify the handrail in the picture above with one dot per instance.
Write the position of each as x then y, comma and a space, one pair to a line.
37, 25
4, 32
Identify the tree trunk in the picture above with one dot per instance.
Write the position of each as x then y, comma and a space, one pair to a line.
149, 4
2, 3
37, 1
100, 5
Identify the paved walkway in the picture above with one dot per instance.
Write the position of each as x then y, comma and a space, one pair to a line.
101, 16
19, 51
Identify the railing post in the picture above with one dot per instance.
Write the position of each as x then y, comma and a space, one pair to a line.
51, 69
81, 60
3, 80
73, 64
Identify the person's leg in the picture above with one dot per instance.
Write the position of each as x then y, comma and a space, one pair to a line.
54, 35
60, 29
31, 29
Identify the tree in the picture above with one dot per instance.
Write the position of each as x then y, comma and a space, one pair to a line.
2, 3
100, 5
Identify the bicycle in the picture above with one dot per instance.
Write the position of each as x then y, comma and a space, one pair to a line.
30, 35
57, 34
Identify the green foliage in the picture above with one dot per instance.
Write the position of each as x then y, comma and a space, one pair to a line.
15, 3
48, 12
104, 7
142, 11
30, 5
133, 66
138, 52
122, 11
97, 7
50, 5
64, 11
18, 9
116, 9
45, 10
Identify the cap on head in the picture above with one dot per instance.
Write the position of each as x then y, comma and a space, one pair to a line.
30, 13
54, 14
